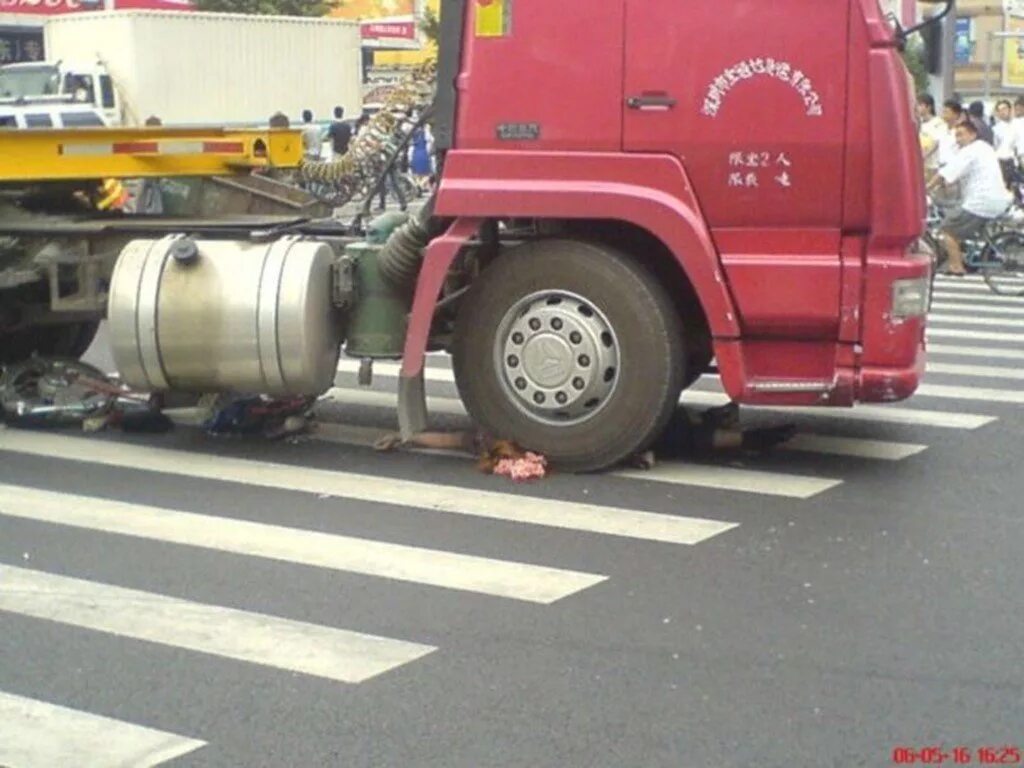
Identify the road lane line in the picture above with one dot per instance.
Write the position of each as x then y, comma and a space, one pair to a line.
678, 473
392, 370
977, 371
979, 297
498, 578
987, 352
976, 308
956, 333
295, 646
1013, 397
876, 450
508, 507
883, 414
35, 734
995, 322
730, 479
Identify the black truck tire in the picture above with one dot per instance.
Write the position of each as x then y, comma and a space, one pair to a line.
572, 350
71, 340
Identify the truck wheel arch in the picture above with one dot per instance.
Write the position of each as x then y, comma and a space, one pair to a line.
594, 188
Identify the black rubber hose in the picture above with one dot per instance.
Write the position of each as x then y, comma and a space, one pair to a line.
401, 258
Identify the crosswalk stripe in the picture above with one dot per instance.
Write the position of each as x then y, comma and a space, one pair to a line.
990, 321
509, 507
392, 370
972, 393
334, 654
877, 450
979, 371
962, 280
956, 333
730, 479
883, 414
697, 475
976, 308
448, 570
981, 296
805, 443
35, 734
987, 352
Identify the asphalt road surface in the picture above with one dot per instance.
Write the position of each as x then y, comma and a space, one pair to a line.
192, 601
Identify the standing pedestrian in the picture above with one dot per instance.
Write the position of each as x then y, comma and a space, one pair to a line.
340, 134
976, 112
1006, 141
933, 129
421, 161
312, 141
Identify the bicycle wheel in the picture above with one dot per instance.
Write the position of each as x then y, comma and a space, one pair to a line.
1002, 264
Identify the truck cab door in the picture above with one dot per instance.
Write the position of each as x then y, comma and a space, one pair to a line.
751, 97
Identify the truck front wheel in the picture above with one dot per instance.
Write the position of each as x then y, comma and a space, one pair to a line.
570, 349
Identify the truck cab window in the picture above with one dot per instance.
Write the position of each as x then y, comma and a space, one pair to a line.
38, 121
107, 91
81, 120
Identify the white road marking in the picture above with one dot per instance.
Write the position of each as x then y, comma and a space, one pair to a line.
989, 321
334, 654
448, 570
509, 507
883, 414
877, 450
697, 475
730, 479
35, 734
979, 297
955, 333
978, 371
987, 352
393, 370
977, 308
1014, 397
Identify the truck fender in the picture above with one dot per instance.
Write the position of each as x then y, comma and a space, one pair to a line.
437, 261
649, 191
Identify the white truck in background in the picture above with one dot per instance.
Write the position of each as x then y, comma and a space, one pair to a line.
191, 68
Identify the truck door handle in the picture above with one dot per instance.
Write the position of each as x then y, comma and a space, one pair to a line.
651, 101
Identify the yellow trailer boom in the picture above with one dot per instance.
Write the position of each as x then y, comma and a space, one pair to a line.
28, 156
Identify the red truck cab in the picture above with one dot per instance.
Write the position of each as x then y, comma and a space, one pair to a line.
754, 167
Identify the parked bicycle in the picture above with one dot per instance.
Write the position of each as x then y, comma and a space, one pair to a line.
997, 253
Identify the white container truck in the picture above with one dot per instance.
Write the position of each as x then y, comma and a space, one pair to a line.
210, 68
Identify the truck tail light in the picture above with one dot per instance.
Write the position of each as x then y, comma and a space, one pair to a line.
911, 298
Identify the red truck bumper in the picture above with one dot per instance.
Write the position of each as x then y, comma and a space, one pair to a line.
882, 361
897, 295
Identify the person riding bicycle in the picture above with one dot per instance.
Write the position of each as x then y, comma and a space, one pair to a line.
984, 196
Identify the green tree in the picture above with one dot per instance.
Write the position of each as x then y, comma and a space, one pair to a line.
276, 7
913, 57
430, 26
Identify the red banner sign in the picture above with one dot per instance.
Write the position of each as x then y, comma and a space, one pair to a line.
55, 7
405, 30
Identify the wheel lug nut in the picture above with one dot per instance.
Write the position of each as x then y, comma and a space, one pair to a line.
579, 383
535, 324
513, 361
575, 337
520, 383
584, 361
517, 338
556, 324
562, 398
539, 398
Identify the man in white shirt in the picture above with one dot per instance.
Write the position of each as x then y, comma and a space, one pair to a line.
1006, 139
933, 130
984, 196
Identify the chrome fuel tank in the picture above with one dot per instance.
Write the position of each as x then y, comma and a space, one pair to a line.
210, 315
